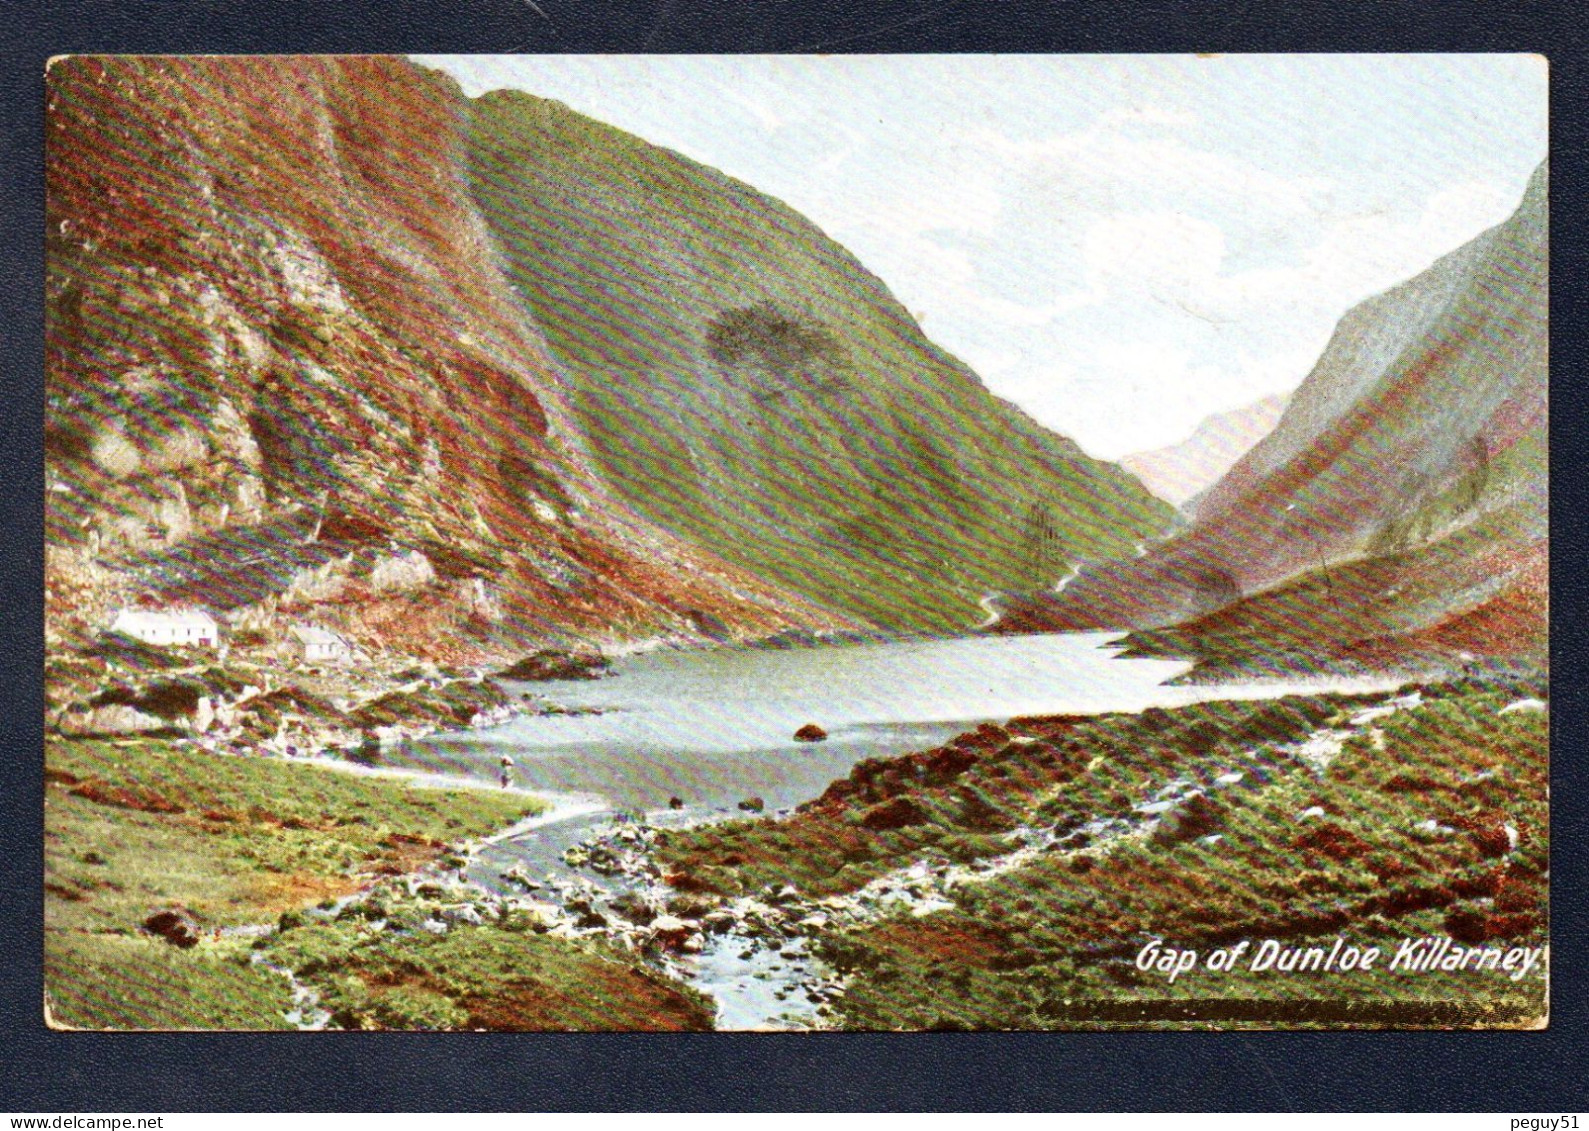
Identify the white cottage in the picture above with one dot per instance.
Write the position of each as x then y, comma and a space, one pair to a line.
193, 628
316, 645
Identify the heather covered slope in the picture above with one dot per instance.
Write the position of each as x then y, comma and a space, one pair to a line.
1399, 508
745, 382
286, 371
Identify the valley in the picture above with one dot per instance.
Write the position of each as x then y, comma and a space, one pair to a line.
505, 574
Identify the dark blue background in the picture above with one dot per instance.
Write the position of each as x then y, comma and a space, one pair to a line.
55, 1072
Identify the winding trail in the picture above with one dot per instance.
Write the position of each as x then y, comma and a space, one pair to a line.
989, 601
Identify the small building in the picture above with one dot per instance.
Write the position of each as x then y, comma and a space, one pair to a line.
170, 627
317, 645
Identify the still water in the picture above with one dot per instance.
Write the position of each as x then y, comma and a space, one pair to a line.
714, 727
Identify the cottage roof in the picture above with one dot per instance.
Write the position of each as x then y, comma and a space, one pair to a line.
171, 614
312, 634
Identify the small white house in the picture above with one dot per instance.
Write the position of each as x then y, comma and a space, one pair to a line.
192, 628
316, 645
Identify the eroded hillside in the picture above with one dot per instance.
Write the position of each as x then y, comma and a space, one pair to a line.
285, 371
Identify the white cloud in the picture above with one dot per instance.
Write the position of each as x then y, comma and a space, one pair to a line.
1162, 256
1148, 115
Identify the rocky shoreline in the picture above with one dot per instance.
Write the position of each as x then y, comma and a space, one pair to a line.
251, 705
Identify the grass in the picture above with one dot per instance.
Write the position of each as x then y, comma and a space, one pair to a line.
1040, 771
131, 827
111, 981
1405, 835
136, 826
1343, 617
491, 977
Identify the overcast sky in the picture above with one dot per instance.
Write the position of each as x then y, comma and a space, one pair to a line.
1120, 244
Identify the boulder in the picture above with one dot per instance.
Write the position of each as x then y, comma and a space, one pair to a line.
897, 813
810, 733
1195, 816
465, 914
689, 906
788, 893
670, 932
636, 908
177, 925
113, 719
518, 875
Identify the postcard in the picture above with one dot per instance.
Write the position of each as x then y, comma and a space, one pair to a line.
754, 542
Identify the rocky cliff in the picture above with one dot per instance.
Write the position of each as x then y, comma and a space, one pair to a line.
1398, 509
745, 382
286, 372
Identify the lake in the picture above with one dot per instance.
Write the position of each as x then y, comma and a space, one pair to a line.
714, 727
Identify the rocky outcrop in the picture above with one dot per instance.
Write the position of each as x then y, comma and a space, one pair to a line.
1398, 510
284, 365
747, 383
551, 665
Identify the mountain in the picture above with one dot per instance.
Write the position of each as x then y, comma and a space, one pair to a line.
1398, 510
286, 371
1179, 473
747, 384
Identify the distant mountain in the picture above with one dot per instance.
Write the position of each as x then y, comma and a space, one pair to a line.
746, 383
284, 368
1397, 512
1180, 472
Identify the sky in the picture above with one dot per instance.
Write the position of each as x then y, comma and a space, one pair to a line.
1120, 244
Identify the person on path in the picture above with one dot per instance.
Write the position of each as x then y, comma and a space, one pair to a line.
506, 776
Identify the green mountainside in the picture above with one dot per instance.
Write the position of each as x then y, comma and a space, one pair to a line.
745, 382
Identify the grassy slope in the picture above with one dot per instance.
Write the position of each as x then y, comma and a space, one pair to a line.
1050, 944
747, 383
132, 827
505, 978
